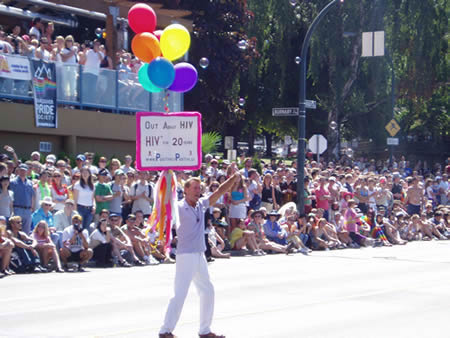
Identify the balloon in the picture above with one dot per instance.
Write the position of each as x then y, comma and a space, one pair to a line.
145, 81
145, 46
142, 18
204, 63
161, 72
175, 41
185, 77
98, 32
158, 34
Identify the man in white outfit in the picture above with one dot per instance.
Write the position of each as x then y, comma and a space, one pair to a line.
191, 263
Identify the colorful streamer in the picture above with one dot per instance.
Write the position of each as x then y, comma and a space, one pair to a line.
165, 212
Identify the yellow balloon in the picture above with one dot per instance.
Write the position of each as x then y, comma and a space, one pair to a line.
175, 41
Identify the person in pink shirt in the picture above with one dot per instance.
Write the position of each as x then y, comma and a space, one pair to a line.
351, 219
323, 197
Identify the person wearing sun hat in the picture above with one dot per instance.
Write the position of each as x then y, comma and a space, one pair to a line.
43, 213
273, 230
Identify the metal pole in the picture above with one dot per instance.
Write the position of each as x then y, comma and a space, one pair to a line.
302, 113
391, 148
317, 148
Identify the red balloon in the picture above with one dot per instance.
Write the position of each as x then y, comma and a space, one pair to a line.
158, 34
142, 18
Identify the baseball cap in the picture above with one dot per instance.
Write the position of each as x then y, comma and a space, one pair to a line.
113, 214
103, 172
23, 166
81, 157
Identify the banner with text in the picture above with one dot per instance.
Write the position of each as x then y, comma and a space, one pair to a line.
44, 89
14, 67
168, 141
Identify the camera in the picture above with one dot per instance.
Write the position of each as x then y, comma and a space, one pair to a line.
78, 227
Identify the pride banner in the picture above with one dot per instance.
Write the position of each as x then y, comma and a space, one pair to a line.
14, 67
44, 89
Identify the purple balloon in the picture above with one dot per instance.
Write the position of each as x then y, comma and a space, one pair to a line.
185, 77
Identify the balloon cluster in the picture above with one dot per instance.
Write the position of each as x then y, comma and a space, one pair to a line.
157, 49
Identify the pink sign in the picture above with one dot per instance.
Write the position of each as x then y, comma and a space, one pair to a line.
168, 141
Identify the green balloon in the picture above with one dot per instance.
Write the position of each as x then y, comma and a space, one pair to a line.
145, 81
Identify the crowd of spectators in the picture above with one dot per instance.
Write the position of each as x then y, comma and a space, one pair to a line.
55, 217
41, 42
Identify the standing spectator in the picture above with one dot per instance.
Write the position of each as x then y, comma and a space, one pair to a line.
414, 197
289, 188
100, 242
42, 51
75, 244
118, 190
36, 28
24, 197
80, 163
83, 195
247, 166
267, 193
239, 197
70, 69
103, 193
127, 166
43, 213
59, 191
323, 197
45, 246
443, 189
6, 197
42, 188
49, 30
91, 70
6, 247
254, 189
141, 193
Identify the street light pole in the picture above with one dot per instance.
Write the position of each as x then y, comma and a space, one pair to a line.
391, 63
302, 112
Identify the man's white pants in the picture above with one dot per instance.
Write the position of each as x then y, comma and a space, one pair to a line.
191, 267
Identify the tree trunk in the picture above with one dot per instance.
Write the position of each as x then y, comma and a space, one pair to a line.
268, 137
334, 114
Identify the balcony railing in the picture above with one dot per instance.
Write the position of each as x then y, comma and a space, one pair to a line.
116, 91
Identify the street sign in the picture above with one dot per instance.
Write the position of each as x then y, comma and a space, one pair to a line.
310, 104
287, 140
392, 127
293, 111
229, 142
318, 144
392, 141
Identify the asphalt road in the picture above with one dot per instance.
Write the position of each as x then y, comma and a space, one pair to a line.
371, 292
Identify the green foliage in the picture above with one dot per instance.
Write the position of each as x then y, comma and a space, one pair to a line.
210, 142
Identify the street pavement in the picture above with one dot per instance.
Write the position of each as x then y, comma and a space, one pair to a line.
403, 291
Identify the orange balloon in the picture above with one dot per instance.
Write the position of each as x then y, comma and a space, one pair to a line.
145, 46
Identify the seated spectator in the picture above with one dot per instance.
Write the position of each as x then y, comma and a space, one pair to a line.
293, 238
24, 247
100, 242
216, 243
141, 243
121, 241
219, 223
6, 247
320, 237
351, 225
45, 247
242, 238
75, 244
256, 225
273, 230
43, 213
63, 218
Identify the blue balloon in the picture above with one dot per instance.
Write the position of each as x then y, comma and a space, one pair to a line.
161, 72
